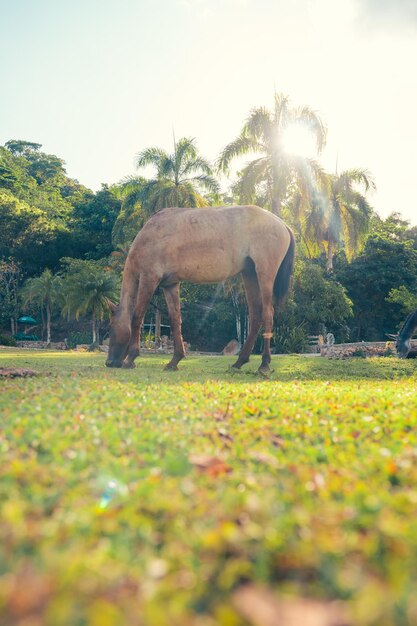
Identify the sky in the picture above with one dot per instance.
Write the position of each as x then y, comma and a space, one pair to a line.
97, 81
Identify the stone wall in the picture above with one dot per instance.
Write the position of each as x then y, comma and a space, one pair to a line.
42, 345
360, 348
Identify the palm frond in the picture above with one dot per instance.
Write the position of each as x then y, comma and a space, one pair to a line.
359, 176
243, 144
206, 181
259, 124
150, 156
195, 165
250, 177
281, 101
312, 121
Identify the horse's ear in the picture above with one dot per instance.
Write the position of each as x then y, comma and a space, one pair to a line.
111, 305
390, 336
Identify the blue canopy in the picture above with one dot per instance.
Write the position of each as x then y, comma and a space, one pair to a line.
26, 319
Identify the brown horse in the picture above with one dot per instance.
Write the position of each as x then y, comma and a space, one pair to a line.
205, 245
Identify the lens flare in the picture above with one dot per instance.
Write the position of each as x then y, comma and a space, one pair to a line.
299, 141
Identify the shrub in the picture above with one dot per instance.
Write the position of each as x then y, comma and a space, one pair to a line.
290, 339
7, 340
76, 338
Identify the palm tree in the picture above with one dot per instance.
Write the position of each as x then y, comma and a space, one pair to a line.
180, 178
132, 215
43, 290
276, 170
118, 257
341, 213
87, 287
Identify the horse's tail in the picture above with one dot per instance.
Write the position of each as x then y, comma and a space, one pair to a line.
283, 278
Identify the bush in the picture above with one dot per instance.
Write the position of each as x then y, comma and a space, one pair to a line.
7, 340
290, 339
76, 338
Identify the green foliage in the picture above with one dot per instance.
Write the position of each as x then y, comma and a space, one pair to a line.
28, 234
45, 291
196, 482
40, 180
290, 338
86, 286
36, 206
404, 297
209, 321
9, 286
75, 338
388, 262
7, 340
93, 222
319, 301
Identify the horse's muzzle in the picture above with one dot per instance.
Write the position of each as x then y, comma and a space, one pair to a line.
110, 363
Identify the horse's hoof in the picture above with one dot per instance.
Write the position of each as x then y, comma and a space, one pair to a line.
128, 366
265, 372
170, 368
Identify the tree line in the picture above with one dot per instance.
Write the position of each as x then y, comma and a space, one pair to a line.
62, 246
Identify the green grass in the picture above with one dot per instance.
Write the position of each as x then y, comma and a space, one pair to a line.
107, 520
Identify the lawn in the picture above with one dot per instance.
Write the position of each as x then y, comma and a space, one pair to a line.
145, 498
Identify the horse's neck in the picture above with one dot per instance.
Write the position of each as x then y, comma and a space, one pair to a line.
128, 294
409, 326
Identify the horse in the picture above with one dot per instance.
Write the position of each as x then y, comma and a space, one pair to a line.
203, 245
403, 339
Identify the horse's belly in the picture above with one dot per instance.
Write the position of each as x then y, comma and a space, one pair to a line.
208, 266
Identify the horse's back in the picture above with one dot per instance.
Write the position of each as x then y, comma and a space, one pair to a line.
208, 244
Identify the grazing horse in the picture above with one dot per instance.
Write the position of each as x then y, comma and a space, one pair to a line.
206, 245
403, 339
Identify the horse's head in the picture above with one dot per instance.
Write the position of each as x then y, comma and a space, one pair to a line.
119, 337
402, 345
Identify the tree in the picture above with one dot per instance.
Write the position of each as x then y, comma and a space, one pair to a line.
9, 282
339, 212
87, 286
29, 235
386, 263
44, 291
94, 219
273, 173
181, 177
320, 300
131, 216
19, 147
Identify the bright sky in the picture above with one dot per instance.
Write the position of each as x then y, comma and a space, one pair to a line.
96, 81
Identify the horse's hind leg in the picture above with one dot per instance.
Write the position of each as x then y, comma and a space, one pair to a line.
145, 292
266, 287
172, 297
255, 316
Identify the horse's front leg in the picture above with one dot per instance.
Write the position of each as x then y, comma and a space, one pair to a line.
172, 297
134, 346
145, 292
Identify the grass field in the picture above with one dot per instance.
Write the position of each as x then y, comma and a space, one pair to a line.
138, 497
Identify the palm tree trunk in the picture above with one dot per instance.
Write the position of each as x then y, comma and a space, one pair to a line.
158, 317
275, 206
94, 327
48, 323
330, 255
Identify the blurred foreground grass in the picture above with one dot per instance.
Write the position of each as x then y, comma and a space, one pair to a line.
148, 498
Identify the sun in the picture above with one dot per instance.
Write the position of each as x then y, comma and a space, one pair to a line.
299, 141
